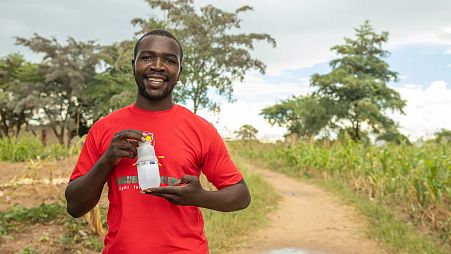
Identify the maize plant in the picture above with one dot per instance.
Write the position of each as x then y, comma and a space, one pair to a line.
416, 178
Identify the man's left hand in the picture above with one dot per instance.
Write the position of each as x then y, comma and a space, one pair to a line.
187, 191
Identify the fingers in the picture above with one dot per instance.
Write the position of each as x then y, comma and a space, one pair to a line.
171, 194
135, 143
173, 190
122, 145
129, 134
187, 192
171, 198
188, 179
127, 147
124, 153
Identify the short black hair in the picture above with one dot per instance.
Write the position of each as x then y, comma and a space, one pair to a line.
159, 32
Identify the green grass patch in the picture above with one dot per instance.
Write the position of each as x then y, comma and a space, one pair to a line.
30, 147
27, 250
78, 234
19, 215
225, 231
385, 225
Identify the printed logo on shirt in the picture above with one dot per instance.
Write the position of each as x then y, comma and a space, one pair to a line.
131, 182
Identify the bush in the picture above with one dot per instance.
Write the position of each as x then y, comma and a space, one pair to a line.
29, 148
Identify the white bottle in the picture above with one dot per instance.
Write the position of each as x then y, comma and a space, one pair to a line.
147, 163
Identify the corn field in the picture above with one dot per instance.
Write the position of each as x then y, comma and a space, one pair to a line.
414, 179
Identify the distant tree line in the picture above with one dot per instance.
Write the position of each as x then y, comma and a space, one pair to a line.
78, 82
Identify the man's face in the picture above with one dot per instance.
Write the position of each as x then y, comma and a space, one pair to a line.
157, 67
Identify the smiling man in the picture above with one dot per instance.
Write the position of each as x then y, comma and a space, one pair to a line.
166, 219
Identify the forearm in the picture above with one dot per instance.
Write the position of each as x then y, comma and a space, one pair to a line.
231, 198
83, 193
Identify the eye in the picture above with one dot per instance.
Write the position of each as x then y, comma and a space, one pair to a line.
171, 61
147, 57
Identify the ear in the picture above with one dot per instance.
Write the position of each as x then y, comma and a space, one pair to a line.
180, 73
133, 65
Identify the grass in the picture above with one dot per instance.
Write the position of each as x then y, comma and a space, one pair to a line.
27, 250
226, 231
19, 216
403, 190
386, 226
78, 233
30, 147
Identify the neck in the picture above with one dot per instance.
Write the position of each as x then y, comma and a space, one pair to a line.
154, 105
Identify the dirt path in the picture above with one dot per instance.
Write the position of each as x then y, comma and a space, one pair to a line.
309, 220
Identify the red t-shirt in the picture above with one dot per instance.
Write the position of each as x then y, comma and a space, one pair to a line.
141, 223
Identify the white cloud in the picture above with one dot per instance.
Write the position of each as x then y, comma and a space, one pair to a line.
306, 30
401, 77
427, 110
252, 96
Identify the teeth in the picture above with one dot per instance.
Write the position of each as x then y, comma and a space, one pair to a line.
156, 80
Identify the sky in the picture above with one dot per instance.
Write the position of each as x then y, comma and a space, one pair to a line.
305, 30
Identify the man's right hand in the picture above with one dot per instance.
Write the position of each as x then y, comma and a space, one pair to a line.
83, 193
122, 145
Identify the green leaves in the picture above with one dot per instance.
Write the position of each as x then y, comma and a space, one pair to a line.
18, 82
41, 214
215, 55
305, 116
353, 97
247, 132
67, 70
114, 87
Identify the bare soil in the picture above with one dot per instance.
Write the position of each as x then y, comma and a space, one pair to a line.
29, 185
309, 220
22, 183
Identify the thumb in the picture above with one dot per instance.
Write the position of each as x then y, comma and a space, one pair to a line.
188, 179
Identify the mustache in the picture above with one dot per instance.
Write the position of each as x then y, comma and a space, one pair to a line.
156, 73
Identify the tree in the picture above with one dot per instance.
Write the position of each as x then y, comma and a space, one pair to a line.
246, 132
68, 70
442, 136
214, 56
304, 116
18, 80
353, 96
392, 135
358, 82
114, 87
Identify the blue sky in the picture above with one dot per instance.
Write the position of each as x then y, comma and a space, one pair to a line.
419, 42
421, 64
424, 81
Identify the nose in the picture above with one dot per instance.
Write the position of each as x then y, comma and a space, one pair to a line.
157, 65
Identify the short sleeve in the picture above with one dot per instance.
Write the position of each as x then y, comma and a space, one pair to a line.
88, 157
218, 167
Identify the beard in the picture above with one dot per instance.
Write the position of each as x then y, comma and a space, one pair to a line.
144, 93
